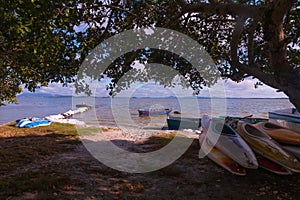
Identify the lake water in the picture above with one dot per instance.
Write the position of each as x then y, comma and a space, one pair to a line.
123, 111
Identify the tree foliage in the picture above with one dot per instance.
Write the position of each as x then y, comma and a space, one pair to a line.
46, 41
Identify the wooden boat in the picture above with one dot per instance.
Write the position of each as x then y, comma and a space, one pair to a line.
290, 114
271, 166
287, 124
151, 112
295, 150
279, 133
249, 119
220, 158
177, 123
264, 145
233, 120
83, 106
228, 141
288, 118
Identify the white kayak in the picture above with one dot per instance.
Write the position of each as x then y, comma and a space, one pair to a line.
228, 141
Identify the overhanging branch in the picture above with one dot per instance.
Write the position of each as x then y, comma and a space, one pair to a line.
234, 9
251, 42
280, 8
181, 3
267, 79
236, 35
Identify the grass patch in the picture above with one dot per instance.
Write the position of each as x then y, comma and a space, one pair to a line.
89, 130
10, 130
42, 184
161, 140
21, 146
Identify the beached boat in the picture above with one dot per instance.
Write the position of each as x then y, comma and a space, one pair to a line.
151, 112
288, 118
249, 119
295, 150
177, 123
220, 158
264, 145
271, 166
279, 133
287, 124
290, 114
83, 106
228, 141
32, 122
233, 120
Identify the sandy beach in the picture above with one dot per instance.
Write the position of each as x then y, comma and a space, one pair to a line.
43, 163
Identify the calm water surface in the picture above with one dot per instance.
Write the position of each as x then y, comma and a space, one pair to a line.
124, 111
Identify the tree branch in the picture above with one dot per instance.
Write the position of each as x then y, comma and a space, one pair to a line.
280, 8
121, 9
267, 79
195, 15
172, 20
233, 9
251, 43
274, 34
181, 3
239, 27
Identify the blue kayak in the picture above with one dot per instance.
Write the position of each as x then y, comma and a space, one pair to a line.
33, 122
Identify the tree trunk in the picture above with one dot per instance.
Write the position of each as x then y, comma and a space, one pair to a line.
294, 96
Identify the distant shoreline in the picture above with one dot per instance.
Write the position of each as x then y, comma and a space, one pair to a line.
145, 97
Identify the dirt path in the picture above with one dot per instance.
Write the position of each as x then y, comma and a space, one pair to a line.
187, 178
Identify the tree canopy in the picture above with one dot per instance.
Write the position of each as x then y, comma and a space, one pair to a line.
46, 41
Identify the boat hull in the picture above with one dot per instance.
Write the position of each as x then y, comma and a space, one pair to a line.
289, 125
265, 146
229, 142
271, 166
220, 158
289, 114
279, 133
153, 112
295, 150
31, 123
178, 123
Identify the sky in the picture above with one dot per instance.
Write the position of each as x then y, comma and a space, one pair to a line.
244, 89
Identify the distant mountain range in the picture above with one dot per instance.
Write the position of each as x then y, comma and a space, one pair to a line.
32, 94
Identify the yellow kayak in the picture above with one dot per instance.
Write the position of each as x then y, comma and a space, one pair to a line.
264, 145
279, 133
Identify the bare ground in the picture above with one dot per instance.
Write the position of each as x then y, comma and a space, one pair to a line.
75, 174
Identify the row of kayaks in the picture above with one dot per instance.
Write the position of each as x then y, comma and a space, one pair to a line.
179, 122
238, 144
